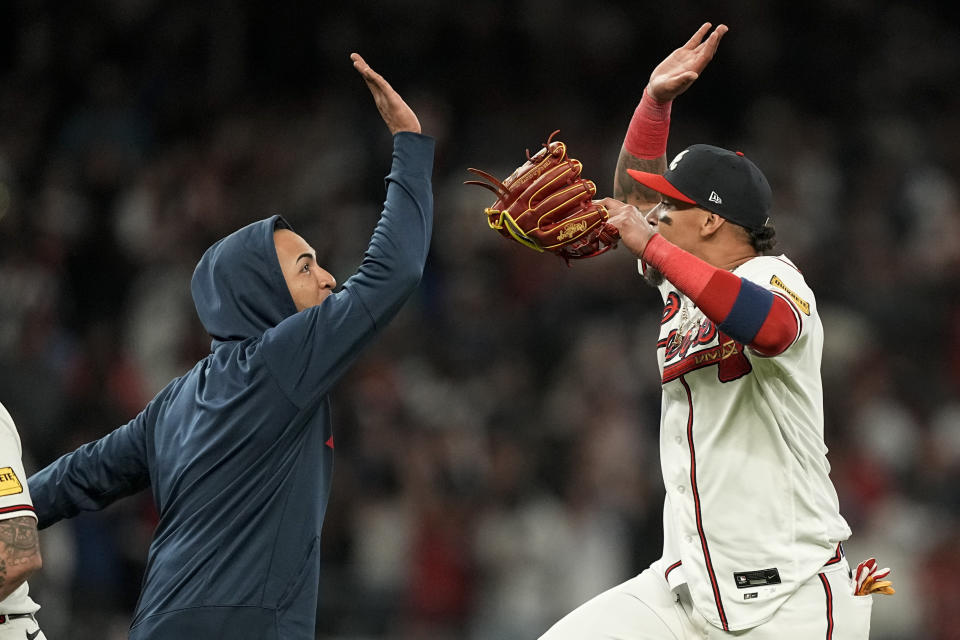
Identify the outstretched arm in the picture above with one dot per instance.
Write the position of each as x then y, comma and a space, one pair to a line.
309, 351
95, 475
645, 145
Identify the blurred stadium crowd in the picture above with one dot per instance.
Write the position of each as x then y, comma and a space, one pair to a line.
497, 448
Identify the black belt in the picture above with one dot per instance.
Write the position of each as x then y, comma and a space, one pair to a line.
15, 616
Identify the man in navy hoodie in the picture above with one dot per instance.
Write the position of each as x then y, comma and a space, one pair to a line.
238, 451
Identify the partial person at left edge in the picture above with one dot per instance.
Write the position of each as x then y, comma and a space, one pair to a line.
19, 548
238, 451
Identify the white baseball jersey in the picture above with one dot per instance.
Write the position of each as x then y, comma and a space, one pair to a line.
750, 512
14, 502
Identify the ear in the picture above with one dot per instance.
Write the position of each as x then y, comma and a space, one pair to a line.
712, 223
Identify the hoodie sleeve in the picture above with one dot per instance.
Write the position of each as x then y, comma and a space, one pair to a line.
394, 260
310, 350
95, 475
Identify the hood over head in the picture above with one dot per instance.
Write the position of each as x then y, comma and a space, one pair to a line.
238, 286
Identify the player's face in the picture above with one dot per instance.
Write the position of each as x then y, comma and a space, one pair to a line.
309, 283
678, 222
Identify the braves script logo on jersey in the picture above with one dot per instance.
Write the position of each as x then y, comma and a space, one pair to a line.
693, 351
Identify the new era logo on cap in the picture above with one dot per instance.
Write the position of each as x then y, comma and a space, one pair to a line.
700, 173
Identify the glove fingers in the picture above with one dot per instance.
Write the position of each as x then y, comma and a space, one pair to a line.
532, 172
548, 180
561, 204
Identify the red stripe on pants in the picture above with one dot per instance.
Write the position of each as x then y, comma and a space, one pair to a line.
829, 594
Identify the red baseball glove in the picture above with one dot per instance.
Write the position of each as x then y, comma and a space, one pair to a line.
547, 206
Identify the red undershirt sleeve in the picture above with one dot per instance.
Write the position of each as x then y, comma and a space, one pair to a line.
649, 128
743, 310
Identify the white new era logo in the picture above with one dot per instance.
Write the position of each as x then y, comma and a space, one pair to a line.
715, 198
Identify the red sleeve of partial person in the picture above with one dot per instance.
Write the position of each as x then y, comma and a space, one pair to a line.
742, 309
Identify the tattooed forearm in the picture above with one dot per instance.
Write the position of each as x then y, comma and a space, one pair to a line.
629, 190
18, 538
19, 552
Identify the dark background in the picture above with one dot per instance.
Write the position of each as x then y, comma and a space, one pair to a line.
497, 447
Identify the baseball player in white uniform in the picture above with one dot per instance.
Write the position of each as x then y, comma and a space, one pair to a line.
19, 550
752, 528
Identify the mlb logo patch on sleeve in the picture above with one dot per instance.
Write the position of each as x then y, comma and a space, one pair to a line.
9, 483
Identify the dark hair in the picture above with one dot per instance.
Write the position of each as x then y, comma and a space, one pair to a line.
764, 238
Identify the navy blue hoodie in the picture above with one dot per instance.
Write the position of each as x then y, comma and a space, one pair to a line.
238, 451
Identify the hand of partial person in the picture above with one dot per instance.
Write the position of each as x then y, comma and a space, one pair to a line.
635, 231
681, 68
397, 115
869, 579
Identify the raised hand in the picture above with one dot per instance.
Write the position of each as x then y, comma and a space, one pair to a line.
397, 115
678, 70
635, 230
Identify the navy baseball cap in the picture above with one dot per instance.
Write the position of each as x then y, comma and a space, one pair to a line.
721, 181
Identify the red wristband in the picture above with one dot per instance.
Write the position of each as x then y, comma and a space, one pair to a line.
647, 135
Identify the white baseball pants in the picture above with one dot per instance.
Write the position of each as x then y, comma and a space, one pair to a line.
21, 629
644, 608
